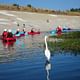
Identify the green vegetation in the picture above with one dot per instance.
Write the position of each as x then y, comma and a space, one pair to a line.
70, 42
68, 35
29, 5
15, 5
75, 10
30, 8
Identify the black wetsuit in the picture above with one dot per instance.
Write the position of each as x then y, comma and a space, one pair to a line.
32, 31
17, 32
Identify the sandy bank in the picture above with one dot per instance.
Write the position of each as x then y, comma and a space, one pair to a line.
9, 19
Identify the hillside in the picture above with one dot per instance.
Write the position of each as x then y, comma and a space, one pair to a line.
29, 8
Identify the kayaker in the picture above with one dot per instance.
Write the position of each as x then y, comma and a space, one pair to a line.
32, 31
10, 35
59, 29
17, 32
4, 34
24, 28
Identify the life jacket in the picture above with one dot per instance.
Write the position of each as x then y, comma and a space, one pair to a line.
5, 33
59, 29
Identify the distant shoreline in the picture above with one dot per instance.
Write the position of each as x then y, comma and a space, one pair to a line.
29, 8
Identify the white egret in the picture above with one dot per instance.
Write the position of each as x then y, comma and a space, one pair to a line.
47, 52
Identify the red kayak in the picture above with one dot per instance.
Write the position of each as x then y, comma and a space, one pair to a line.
9, 39
8, 43
33, 33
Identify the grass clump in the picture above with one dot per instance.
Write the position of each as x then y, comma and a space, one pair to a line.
70, 42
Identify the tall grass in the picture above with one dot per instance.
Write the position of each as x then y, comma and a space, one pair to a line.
71, 41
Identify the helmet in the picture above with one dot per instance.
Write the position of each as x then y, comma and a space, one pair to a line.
5, 29
9, 30
18, 29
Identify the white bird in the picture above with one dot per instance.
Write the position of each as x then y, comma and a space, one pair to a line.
48, 68
47, 52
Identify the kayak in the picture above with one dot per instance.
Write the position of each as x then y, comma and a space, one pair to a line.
53, 32
33, 33
21, 34
8, 43
9, 39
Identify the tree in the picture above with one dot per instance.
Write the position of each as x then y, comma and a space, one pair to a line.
29, 5
72, 9
75, 10
15, 5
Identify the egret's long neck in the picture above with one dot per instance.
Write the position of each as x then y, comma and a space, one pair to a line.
46, 44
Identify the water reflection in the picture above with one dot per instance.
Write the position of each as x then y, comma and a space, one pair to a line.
47, 68
8, 45
6, 51
65, 52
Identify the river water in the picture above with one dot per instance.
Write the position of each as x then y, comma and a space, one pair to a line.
25, 60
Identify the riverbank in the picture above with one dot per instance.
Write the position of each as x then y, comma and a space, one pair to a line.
44, 22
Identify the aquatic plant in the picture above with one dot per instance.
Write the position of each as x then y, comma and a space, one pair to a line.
70, 42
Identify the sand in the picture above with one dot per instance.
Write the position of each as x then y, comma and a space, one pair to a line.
44, 22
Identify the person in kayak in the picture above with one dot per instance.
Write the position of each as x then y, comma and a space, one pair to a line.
32, 31
59, 29
4, 34
17, 32
24, 28
10, 35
